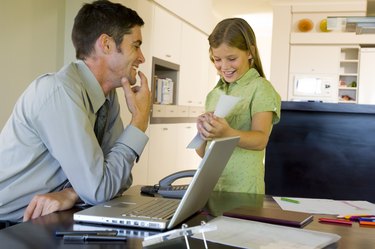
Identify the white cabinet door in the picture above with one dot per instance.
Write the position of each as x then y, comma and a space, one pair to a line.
162, 151
168, 152
193, 84
309, 59
140, 169
186, 158
166, 35
366, 92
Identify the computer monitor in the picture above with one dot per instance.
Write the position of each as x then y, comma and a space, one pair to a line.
322, 150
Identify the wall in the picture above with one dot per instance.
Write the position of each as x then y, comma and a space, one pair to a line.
31, 44
262, 25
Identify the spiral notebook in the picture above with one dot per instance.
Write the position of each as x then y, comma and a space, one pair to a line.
271, 215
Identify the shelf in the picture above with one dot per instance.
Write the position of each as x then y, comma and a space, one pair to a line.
347, 88
348, 101
349, 61
348, 74
348, 78
339, 38
164, 70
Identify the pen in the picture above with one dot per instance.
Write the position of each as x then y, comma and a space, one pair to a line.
89, 232
367, 219
335, 221
367, 223
91, 237
289, 200
355, 217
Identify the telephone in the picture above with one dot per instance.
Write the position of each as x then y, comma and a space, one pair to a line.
165, 187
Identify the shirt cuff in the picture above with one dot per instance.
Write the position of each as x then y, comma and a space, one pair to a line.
135, 139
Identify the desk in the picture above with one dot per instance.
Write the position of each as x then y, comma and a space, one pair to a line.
39, 233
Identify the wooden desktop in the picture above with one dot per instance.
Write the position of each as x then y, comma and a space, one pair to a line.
40, 233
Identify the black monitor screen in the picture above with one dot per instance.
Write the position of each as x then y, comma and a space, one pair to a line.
322, 150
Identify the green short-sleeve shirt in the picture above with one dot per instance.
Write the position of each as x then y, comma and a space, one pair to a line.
245, 169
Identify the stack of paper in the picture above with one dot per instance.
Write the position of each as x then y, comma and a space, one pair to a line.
258, 235
326, 206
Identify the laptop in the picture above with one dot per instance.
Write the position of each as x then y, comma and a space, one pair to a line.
165, 213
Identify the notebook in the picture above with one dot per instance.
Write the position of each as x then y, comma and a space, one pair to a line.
131, 211
271, 215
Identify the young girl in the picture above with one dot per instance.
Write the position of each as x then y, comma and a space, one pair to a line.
234, 52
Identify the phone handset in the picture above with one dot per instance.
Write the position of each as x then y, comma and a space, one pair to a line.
166, 189
168, 180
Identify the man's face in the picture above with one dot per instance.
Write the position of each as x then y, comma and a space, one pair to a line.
125, 61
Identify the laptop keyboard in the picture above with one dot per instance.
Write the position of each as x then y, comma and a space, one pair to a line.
155, 209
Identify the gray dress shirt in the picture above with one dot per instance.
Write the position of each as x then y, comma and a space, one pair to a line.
49, 143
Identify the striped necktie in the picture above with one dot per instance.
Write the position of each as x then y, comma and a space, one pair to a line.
101, 121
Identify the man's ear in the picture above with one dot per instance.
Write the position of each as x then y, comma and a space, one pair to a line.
105, 43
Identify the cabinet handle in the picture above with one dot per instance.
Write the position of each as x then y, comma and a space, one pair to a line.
165, 128
168, 55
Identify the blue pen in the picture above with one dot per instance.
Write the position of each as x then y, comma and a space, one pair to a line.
372, 219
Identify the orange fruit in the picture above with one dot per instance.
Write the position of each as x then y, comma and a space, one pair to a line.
305, 25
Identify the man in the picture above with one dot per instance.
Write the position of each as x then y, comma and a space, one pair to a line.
52, 149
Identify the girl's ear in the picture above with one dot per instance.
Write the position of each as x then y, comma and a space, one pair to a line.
251, 52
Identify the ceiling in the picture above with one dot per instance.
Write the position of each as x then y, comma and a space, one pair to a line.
231, 8
225, 8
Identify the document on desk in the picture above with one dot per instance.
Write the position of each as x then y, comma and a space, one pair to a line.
326, 206
223, 107
258, 235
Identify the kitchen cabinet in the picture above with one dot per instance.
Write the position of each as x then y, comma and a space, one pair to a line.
168, 152
310, 59
366, 86
180, 43
348, 75
186, 158
193, 85
162, 158
166, 35
307, 65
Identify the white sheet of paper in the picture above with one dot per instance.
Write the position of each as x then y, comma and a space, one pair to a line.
223, 107
327, 206
257, 235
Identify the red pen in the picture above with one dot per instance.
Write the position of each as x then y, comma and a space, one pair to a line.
335, 221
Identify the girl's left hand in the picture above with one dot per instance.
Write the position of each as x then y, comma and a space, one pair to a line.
214, 127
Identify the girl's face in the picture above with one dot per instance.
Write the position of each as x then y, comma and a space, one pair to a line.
231, 62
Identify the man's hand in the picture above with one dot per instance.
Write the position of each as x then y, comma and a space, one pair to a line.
48, 203
138, 99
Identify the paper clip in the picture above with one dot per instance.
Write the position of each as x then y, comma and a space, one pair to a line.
204, 237
185, 231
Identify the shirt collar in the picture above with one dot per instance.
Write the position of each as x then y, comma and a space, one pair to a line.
92, 86
251, 74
